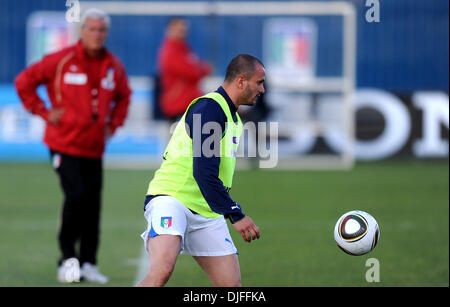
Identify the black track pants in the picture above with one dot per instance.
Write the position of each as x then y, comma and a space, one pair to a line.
81, 181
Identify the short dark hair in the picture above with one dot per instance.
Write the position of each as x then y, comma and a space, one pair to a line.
242, 64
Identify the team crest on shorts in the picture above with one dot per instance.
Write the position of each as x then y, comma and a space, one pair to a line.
166, 221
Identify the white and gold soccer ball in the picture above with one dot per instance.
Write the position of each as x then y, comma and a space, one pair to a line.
356, 232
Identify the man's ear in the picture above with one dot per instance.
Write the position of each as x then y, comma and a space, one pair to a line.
240, 81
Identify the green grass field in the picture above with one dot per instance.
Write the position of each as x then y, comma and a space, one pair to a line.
295, 210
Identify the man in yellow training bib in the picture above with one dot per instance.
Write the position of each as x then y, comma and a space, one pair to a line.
188, 198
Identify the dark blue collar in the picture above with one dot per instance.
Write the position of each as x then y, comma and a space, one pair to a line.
231, 105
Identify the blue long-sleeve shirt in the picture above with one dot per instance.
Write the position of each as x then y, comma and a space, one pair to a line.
206, 167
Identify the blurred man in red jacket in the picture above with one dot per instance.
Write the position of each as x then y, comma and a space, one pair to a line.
89, 95
180, 70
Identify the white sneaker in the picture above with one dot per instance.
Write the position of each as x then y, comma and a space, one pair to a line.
69, 271
90, 273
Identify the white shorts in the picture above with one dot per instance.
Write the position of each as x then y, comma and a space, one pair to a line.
200, 236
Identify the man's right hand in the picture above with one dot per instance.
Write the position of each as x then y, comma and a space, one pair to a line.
54, 116
247, 228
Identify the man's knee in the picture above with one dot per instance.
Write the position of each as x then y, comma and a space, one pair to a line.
162, 267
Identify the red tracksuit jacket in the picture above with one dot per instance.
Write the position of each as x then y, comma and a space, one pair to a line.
88, 109
181, 73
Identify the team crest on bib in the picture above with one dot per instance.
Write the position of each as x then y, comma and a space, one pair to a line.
166, 221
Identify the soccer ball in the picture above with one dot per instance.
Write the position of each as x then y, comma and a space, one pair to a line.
356, 232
